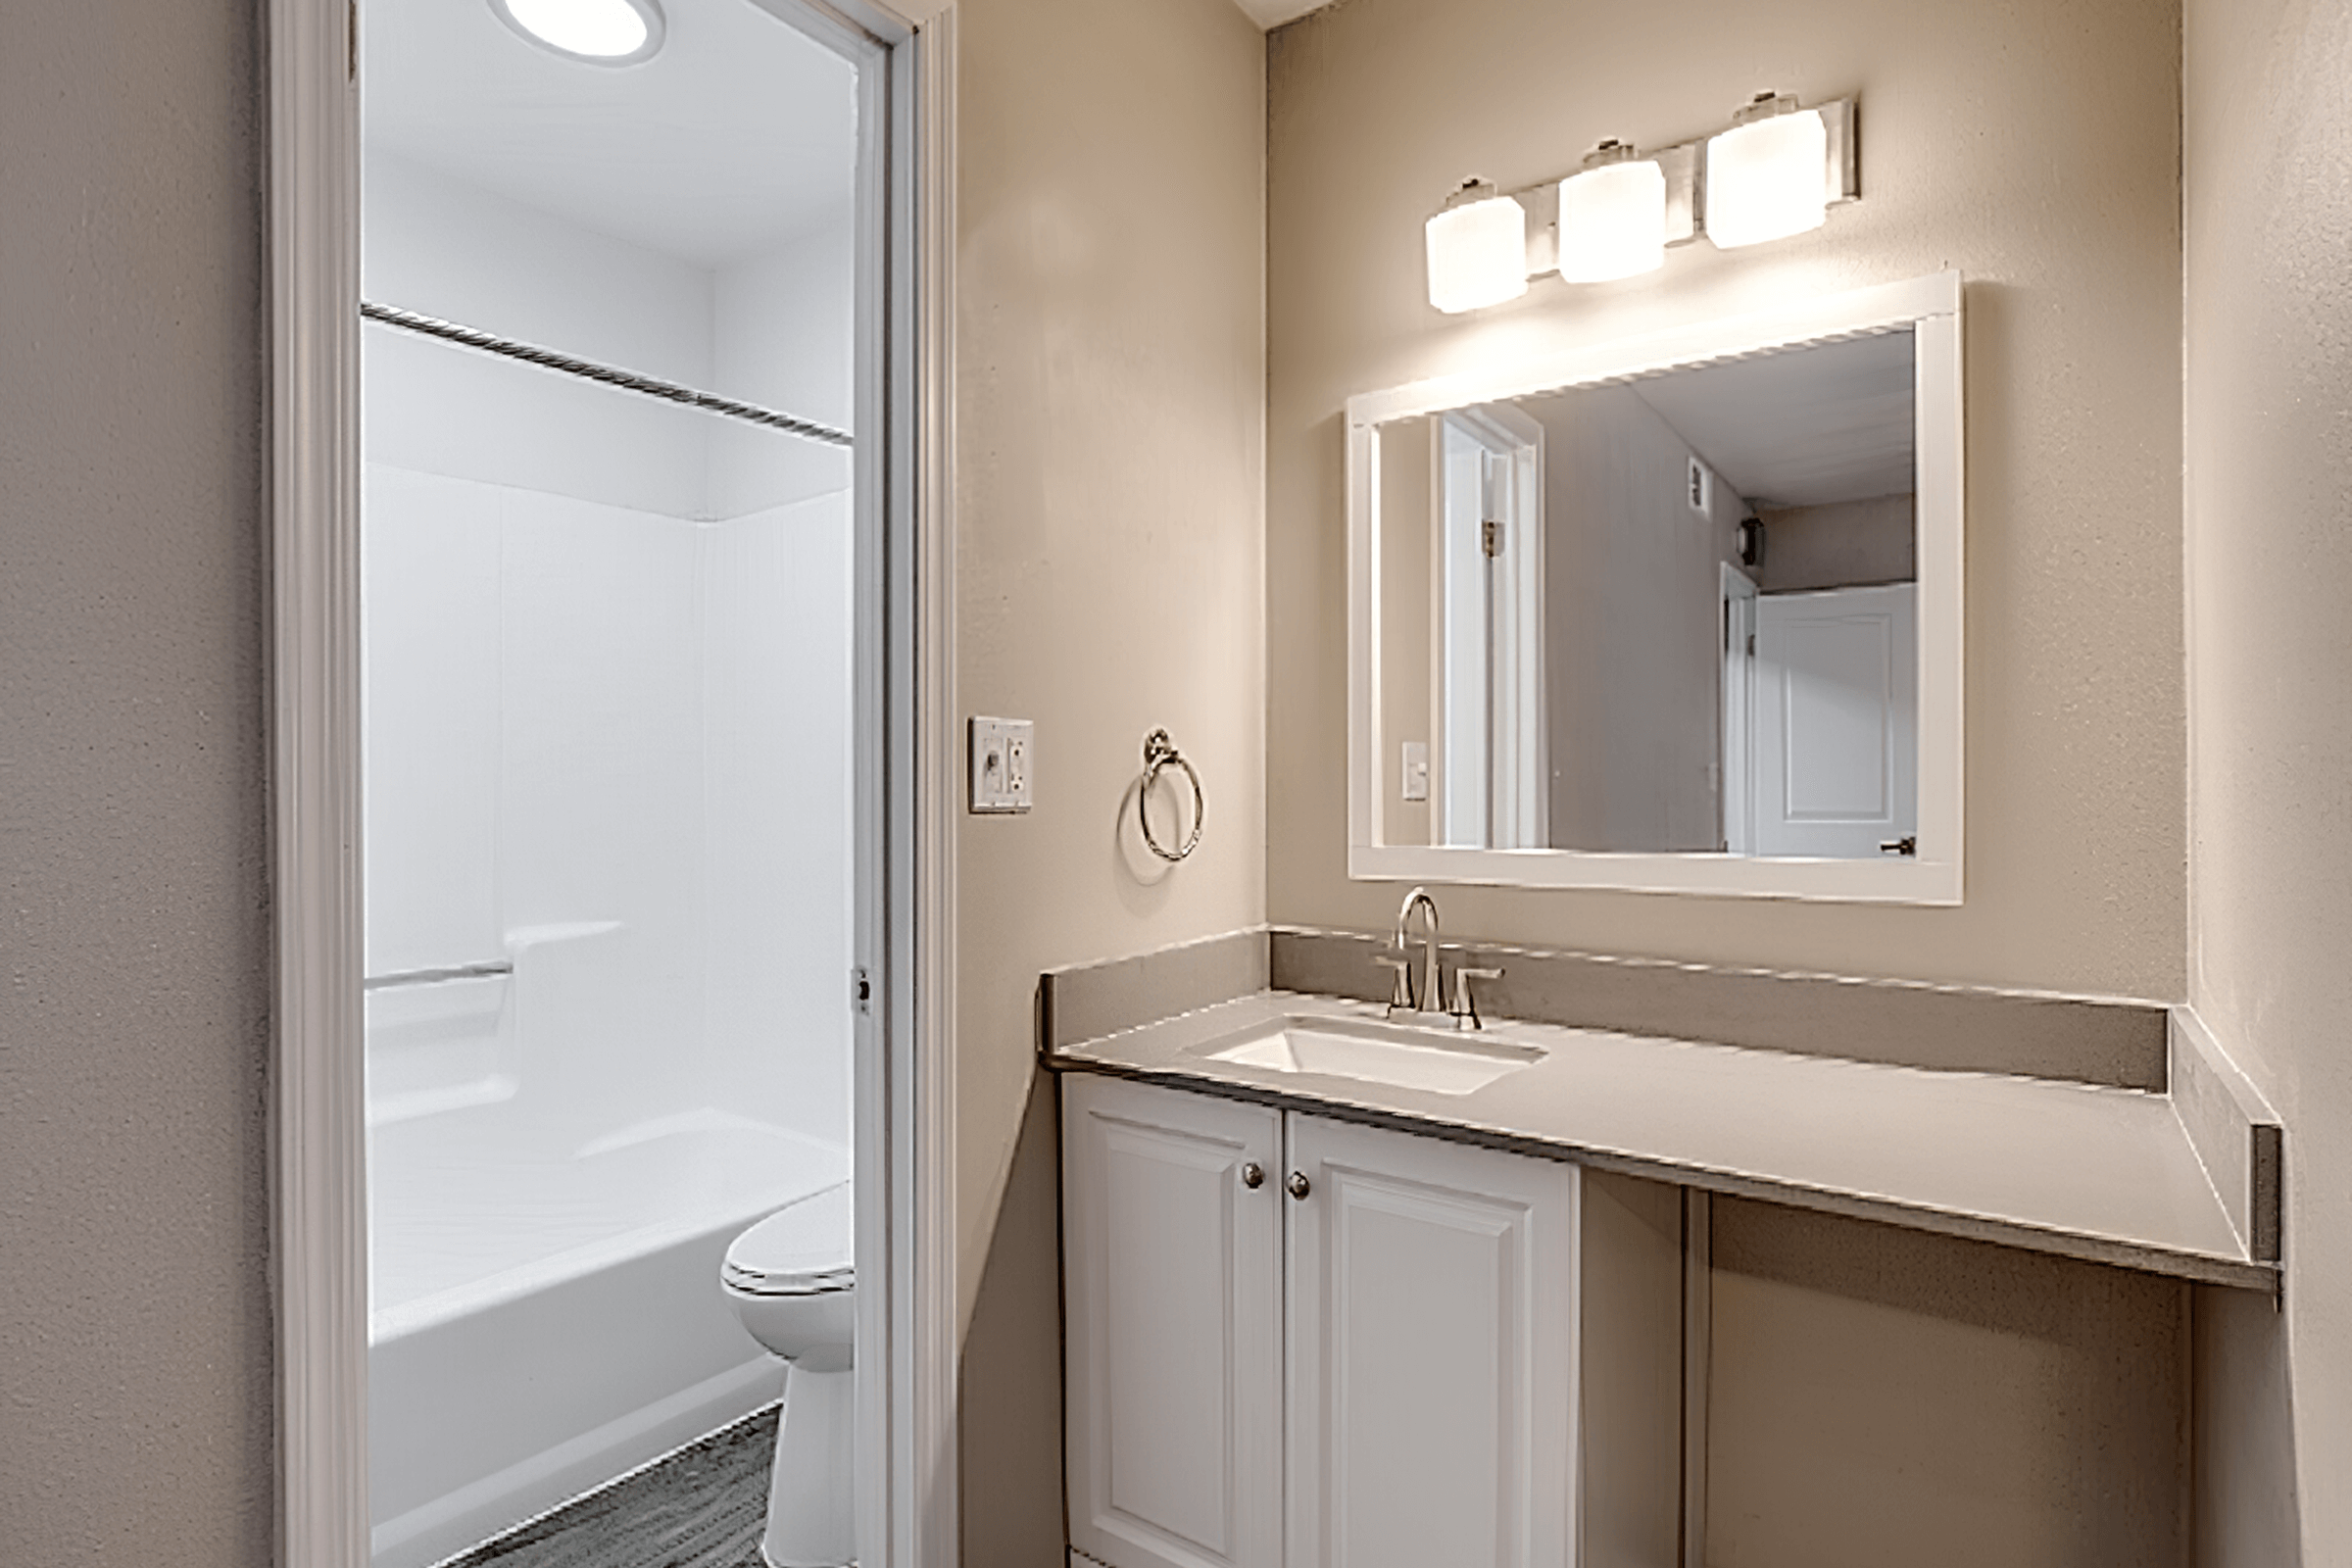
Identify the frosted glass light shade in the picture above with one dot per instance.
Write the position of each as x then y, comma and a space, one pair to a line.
1612, 222
1476, 255
1767, 179
610, 33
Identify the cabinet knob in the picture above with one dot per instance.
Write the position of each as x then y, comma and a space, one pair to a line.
1254, 1175
1298, 1186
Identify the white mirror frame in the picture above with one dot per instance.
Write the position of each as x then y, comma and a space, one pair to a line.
1931, 307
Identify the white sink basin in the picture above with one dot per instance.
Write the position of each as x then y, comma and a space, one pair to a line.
1404, 1057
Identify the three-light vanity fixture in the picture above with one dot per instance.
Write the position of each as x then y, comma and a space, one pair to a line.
1775, 172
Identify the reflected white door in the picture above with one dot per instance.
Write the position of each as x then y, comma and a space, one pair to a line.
1836, 721
1173, 1272
1432, 1339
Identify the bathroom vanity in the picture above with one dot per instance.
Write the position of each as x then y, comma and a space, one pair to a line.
1333, 1292
1283, 1325
1354, 1278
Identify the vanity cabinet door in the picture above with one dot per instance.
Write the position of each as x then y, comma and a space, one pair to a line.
1172, 1269
1433, 1323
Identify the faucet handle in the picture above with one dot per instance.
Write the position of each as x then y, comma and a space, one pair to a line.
1465, 1005
1401, 991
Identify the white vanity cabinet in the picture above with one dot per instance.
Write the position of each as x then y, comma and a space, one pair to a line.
1172, 1272
1431, 1354
1368, 1359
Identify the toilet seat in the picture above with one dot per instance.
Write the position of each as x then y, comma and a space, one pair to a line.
805, 1249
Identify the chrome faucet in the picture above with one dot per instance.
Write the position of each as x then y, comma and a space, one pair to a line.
1432, 997
1463, 1008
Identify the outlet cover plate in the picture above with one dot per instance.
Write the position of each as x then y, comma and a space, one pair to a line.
1002, 755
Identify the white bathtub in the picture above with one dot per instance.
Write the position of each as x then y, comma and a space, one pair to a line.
547, 1313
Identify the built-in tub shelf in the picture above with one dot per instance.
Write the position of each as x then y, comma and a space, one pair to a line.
2178, 1177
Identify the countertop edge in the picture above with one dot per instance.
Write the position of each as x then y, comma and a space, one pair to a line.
2238, 1272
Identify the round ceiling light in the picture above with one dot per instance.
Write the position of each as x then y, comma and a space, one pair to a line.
603, 33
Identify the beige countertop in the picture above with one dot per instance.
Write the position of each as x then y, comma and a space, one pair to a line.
2091, 1171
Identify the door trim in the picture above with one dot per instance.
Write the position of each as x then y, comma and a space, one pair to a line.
1735, 737
318, 1172
319, 1197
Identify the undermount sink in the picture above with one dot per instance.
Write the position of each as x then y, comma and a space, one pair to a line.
1401, 1056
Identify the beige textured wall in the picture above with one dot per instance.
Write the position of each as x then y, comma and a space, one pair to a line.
1845, 545
1410, 517
1109, 495
134, 1305
2268, 195
1633, 629
2032, 146
1886, 1396
1630, 1387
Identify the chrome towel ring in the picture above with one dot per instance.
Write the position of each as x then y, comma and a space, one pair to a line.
1160, 753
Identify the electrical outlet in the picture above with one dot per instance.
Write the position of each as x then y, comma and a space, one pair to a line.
1000, 764
1016, 764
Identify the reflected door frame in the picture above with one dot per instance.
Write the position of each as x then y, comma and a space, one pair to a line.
1490, 782
906, 1246
1735, 768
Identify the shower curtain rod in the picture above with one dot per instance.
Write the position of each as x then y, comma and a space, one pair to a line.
627, 380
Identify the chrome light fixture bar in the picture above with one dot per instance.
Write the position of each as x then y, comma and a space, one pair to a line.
1740, 186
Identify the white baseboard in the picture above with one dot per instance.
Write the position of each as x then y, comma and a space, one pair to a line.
458, 1521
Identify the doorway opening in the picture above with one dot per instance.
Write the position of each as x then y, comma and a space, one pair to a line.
614, 852
614, 858
607, 568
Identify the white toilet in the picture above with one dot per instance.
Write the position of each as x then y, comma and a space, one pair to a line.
790, 1279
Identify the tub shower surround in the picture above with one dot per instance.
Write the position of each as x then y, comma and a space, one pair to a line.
601, 740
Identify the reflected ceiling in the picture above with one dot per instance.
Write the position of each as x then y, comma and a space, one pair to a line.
1808, 428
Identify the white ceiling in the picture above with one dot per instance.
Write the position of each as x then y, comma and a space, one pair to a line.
1272, 14
737, 133
1806, 427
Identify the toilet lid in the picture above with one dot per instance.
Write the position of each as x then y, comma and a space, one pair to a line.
801, 1249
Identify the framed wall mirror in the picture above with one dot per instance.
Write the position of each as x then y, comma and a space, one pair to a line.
1675, 614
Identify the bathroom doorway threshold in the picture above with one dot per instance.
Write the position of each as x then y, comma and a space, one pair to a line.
905, 1091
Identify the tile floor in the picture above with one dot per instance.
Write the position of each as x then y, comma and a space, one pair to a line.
701, 1508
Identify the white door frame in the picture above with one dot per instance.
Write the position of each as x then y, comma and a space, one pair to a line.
1488, 653
1735, 768
1519, 773
906, 1086
1462, 706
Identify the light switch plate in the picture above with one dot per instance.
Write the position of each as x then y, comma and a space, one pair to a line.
1416, 770
1002, 751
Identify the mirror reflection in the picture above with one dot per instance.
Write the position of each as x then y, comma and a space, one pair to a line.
1675, 613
